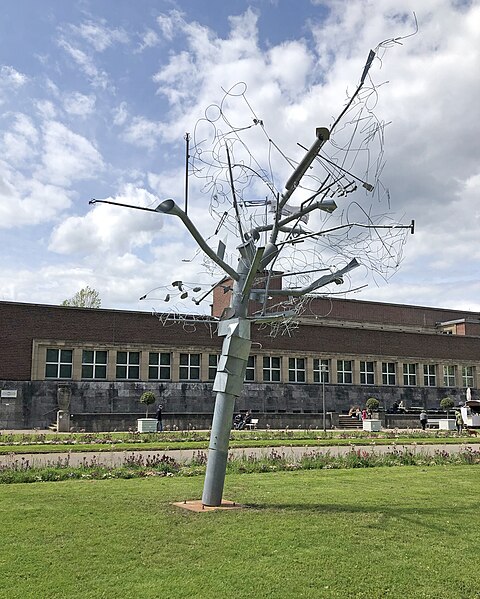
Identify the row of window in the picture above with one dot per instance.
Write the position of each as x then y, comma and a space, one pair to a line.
59, 365
411, 374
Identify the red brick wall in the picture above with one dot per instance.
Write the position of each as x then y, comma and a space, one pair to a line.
362, 311
21, 323
221, 296
471, 328
221, 299
363, 342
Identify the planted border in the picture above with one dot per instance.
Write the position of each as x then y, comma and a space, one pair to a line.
135, 466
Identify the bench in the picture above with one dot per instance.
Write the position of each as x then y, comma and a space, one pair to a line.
252, 424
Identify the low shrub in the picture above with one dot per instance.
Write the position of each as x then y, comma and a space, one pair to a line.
135, 466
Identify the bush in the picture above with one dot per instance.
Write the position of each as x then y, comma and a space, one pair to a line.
148, 398
447, 404
372, 404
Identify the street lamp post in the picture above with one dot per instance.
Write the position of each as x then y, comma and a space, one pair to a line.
323, 369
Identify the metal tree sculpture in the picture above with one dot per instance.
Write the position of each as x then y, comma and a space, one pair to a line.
270, 231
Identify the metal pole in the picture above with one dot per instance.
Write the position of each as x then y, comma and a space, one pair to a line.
218, 450
187, 156
228, 384
323, 399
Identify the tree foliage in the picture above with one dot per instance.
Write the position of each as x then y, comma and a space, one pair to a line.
447, 404
372, 404
85, 298
147, 398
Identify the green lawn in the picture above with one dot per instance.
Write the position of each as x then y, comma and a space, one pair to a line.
382, 532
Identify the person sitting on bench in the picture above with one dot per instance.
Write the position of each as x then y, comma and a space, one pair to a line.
246, 420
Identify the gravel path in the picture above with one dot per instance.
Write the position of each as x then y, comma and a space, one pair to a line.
117, 458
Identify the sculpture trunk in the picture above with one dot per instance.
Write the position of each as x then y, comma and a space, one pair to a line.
228, 385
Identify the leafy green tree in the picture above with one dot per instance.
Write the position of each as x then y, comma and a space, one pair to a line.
372, 404
447, 404
85, 298
147, 398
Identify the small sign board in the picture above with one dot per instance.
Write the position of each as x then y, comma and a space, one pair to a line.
8, 393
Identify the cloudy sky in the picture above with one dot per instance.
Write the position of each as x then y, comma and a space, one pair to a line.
96, 98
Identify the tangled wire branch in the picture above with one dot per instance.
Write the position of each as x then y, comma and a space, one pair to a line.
242, 169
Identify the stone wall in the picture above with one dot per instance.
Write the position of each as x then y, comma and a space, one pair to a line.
116, 406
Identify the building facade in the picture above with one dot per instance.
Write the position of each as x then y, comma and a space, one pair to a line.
341, 353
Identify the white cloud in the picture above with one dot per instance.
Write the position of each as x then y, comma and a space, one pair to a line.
176, 80
143, 132
244, 26
20, 140
79, 104
112, 241
24, 126
52, 283
109, 230
25, 201
169, 184
11, 78
170, 23
97, 77
208, 59
68, 156
46, 109
150, 39
291, 65
81, 42
11, 81
99, 36
120, 114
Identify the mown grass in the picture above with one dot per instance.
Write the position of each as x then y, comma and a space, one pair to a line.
373, 533
130, 441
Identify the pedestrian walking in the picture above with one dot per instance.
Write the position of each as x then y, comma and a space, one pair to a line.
458, 421
423, 419
159, 419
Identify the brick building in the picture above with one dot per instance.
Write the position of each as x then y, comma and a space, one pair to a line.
348, 350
